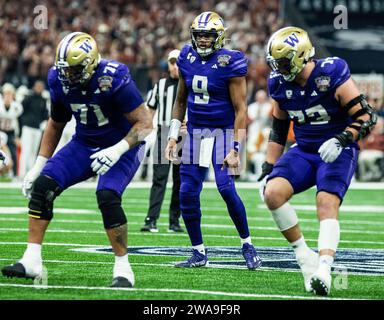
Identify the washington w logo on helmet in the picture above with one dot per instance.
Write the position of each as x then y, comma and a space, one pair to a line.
288, 51
291, 40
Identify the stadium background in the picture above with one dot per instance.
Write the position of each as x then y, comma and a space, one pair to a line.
141, 34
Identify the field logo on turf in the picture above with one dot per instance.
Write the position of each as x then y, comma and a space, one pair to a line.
340, 281
356, 261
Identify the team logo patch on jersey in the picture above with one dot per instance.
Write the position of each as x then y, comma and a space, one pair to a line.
323, 83
223, 60
289, 94
368, 262
105, 83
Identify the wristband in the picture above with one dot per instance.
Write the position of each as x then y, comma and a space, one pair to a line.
236, 146
345, 138
174, 129
121, 147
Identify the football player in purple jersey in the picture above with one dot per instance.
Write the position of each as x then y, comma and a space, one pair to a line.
112, 122
329, 116
212, 86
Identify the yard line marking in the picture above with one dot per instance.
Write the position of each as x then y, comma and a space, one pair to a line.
183, 235
204, 225
206, 217
203, 292
24, 210
207, 185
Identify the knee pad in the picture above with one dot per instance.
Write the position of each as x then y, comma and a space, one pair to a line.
189, 204
44, 192
109, 202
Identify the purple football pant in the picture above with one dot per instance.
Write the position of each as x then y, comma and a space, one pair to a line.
72, 164
304, 170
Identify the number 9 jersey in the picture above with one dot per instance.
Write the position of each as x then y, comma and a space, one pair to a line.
209, 103
314, 109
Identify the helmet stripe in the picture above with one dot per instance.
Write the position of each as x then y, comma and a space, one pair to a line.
64, 45
203, 20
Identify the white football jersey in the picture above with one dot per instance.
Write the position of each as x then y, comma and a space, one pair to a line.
8, 117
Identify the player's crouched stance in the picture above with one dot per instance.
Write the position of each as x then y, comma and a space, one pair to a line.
329, 115
112, 123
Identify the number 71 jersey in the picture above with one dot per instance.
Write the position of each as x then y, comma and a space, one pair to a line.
209, 102
314, 109
100, 106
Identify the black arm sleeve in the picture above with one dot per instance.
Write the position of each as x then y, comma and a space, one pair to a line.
60, 113
279, 131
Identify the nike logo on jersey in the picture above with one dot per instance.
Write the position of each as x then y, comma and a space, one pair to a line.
314, 93
214, 66
97, 91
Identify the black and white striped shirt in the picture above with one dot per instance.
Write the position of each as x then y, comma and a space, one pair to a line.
161, 98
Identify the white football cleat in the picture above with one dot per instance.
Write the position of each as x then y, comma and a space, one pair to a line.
321, 280
308, 264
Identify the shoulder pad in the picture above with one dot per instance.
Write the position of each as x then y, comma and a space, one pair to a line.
336, 69
113, 76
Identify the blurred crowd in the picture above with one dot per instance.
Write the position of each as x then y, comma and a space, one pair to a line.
139, 34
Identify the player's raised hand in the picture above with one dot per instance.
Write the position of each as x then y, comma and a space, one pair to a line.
32, 175
171, 150
106, 158
330, 150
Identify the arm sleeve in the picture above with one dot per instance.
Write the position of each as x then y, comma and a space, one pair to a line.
128, 97
59, 112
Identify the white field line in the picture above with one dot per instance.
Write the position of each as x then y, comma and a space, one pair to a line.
200, 292
217, 226
183, 235
207, 185
74, 212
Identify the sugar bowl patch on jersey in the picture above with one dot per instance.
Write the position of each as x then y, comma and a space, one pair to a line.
105, 83
223, 60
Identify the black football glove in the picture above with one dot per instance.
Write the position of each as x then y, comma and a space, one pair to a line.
266, 170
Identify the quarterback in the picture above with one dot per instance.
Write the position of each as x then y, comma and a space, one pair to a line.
212, 85
329, 116
112, 122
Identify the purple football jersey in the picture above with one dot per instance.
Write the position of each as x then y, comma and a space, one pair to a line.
209, 103
316, 113
99, 107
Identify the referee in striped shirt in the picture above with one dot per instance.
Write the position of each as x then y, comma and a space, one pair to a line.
161, 99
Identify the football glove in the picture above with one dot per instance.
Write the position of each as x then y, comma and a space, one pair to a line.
32, 175
266, 170
331, 149
106, 158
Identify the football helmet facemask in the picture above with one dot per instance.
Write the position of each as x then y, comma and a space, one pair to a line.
207, 33
288, 51
76, 58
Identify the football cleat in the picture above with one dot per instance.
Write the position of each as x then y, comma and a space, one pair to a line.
175, 227
308, 264
121, 282
252, 260
321, 281
197, 260
149, 226
17, 270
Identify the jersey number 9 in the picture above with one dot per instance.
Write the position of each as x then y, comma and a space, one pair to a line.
200, 88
